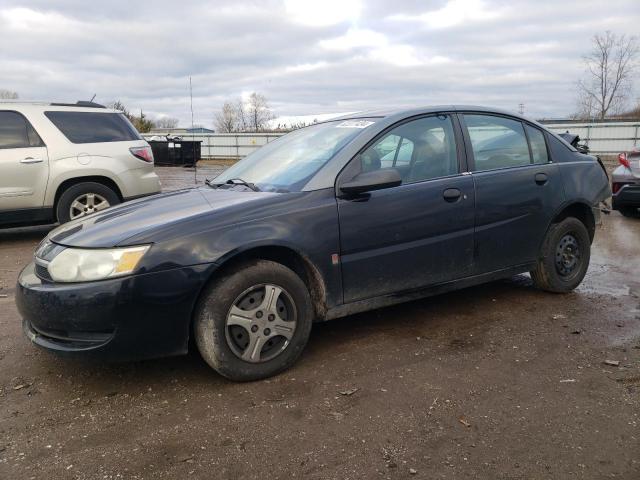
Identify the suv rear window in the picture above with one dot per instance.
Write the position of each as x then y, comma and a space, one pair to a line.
90, 127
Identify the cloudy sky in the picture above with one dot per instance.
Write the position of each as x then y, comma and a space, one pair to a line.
307, 57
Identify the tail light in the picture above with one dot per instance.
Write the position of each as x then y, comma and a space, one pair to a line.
143, 153
616, 187
622, 158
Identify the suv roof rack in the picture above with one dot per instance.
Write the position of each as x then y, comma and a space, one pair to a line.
79, 103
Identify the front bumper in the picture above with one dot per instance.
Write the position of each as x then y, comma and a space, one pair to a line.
129, 318
627, 196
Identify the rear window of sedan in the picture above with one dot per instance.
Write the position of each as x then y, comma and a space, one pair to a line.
90, 127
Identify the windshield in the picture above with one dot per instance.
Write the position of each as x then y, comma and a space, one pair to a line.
287, 164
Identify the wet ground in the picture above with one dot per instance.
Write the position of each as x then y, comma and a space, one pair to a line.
500, 381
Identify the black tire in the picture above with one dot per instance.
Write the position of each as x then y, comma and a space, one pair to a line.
555, 271
631, 212
217, 341
63, 208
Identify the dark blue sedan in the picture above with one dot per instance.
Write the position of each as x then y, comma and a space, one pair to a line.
339, 217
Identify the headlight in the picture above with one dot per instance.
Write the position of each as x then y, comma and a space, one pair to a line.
81, 265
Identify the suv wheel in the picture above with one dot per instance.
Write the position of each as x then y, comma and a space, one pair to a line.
84, 199
564, 258
253, 323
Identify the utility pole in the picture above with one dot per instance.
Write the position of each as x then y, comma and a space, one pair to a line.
193, 145
521, 108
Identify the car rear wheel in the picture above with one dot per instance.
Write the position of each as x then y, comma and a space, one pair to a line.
631, 212
84, 199
254, 322
565, 256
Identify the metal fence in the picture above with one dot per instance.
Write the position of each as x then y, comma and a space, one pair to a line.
226, 145
606, 138
602, 138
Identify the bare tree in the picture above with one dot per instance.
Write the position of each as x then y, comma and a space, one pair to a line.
258, 112
8, 94
166, 122
251, 115
242, 121
226, 120
609, 68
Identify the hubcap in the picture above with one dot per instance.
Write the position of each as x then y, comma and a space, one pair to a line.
260, 323
86, 204
567, 255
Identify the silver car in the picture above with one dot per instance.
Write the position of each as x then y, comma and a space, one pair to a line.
625, 184
60, 162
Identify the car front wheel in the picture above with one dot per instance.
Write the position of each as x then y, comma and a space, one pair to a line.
254, 322
564, 258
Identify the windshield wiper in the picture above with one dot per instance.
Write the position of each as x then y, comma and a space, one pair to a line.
233, 181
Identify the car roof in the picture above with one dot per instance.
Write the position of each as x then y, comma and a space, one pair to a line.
408, 112
23, 106
400, 114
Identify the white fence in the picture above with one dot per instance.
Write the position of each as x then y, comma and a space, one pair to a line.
226, 145
602, 138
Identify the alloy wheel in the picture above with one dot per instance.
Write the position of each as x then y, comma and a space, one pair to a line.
86, 204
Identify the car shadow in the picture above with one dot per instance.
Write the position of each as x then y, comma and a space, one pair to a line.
25, 233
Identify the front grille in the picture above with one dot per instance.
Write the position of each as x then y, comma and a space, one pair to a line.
43, 273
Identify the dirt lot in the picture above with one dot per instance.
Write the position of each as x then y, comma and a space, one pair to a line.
498, 382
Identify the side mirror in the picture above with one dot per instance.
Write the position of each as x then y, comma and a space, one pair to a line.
374, 180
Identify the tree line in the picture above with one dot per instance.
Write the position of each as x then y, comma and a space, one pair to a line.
8, 94
142, 123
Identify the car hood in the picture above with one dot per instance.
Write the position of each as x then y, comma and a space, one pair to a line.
114, 226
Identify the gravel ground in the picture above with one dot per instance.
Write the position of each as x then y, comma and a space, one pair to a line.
174, 178
500, 381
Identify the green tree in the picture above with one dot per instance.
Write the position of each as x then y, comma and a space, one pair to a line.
142, 123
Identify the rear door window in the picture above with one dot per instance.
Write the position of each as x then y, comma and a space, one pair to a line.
90, 127
17, 132
497, 142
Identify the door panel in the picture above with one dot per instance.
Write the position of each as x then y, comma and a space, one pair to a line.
512, 214
406, 237
24, 164
23, 177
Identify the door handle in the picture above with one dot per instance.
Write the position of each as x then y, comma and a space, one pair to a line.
451, 194
29, 160
541, 178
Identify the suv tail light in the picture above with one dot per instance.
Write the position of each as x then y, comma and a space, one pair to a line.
143, 153
622, 158
615, 187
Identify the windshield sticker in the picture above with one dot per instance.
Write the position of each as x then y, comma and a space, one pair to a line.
354, 124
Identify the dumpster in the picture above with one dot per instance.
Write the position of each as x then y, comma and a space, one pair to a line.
176, 152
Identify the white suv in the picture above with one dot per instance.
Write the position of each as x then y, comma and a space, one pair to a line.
59, 162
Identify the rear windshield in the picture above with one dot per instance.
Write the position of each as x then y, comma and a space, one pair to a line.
90, 127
